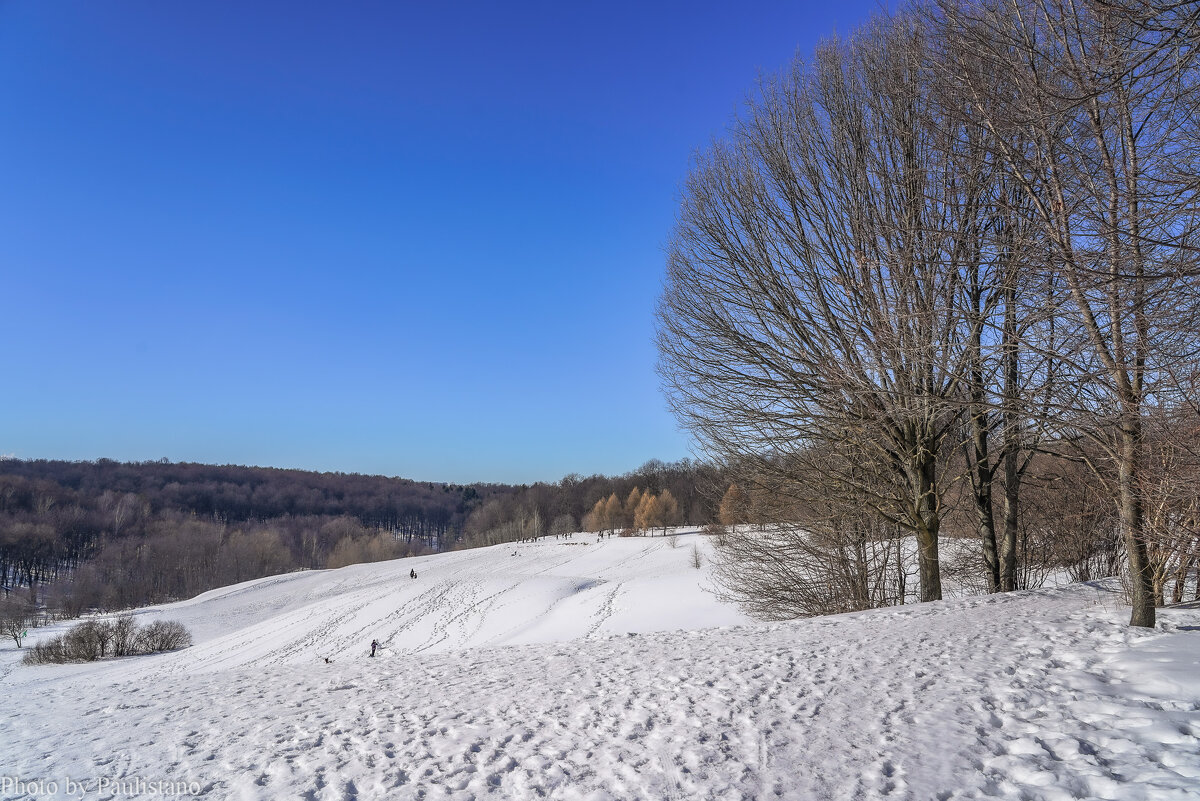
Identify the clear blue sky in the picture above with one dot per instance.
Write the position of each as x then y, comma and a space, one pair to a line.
418, 239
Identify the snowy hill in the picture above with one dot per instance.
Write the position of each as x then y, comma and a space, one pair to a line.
580, 670
547, 591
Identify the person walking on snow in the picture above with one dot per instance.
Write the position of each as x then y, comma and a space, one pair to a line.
412, 573
374, 645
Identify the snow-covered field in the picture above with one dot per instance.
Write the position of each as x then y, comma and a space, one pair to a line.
581, 670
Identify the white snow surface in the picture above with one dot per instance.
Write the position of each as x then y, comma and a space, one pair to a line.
576, 669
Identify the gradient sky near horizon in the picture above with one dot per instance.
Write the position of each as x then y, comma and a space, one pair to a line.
416, 239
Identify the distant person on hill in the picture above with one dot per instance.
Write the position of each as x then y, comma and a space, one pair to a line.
374, 645
412, 573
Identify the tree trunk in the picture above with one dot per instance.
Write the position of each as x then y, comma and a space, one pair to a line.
1185, 567
1008, 535
982, 472
1141, 576
987, 532
982, 493
929, 521
1012, 440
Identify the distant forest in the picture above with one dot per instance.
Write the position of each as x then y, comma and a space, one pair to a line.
111, 535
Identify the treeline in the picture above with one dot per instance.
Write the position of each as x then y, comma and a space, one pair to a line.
577, 503
112, 535
425, 512
177, 555
109, 535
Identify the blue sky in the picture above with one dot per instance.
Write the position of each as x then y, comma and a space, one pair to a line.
417, 239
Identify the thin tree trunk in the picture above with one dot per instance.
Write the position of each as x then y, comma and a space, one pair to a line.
987, 532
1012, 444
927, 531
1181, 579
1132, 527
979, 460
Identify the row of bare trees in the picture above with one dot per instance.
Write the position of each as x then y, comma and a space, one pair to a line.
944, 255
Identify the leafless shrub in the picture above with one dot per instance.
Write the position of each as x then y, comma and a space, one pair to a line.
49, 652
790, 571
97, 639
124, 636
163, 635
87, 642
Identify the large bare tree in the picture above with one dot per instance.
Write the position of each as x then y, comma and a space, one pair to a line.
812, 302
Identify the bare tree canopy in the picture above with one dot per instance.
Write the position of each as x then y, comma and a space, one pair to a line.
811, 291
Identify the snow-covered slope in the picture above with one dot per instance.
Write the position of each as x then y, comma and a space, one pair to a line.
610, 686
547, 591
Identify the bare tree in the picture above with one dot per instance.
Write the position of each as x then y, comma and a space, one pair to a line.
123, 636
15, 617
1097, 126
812, 292
1007, 305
